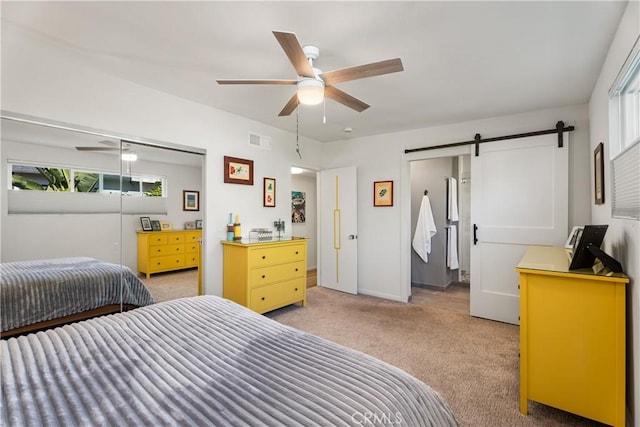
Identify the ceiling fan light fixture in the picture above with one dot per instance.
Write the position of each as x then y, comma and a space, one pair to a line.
310, 91
129, 157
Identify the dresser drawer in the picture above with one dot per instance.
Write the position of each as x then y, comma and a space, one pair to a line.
192, 236
191, 260
261, 257
191, 247
158, 239
276, 273
175, 238
277, 295
166, 250
167, 262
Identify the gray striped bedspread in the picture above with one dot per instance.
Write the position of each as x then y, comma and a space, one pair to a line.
39, 290
203, 361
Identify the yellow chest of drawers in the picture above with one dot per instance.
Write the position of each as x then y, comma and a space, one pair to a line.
265, 276
161, 251
572, 337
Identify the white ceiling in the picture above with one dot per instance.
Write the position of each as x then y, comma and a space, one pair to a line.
463, 60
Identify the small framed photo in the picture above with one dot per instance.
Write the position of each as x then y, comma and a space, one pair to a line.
383, 193
269, 193
146, 223
198, 224
573, 237
190, 225
238, 171
190, 200
598, 174
155, 225
165, 226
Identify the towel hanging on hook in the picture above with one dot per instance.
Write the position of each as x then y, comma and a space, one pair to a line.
426, 192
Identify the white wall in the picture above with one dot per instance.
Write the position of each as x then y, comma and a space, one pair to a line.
45, 80
622, 240
384, 257
309, 228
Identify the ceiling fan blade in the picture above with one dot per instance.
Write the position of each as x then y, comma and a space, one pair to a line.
293, 49
290, 106
344, 98
257, 82
100, 149
362, 71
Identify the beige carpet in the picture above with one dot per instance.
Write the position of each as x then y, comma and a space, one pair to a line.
473, 363
173, 284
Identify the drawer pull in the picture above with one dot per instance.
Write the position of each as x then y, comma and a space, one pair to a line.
264, 257
263, 276
262, 298
296, 289
296, 252
296, 269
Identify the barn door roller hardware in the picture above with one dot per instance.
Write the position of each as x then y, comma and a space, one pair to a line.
559, 129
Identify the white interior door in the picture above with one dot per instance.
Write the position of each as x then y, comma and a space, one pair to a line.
519, 197
338, 230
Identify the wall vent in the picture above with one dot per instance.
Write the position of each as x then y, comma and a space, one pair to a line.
260, 141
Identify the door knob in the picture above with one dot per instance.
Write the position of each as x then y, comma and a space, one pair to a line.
353, 236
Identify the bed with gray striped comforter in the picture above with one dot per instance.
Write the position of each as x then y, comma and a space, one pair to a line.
203, 361
38, 290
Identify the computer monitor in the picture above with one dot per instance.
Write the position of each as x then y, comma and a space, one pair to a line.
585, 245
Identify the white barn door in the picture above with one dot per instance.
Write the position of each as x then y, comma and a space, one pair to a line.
519, 197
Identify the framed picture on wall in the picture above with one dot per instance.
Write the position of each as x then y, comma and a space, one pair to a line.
298, 207
598, 174
238, 171
190, 200
383, 193
269, 193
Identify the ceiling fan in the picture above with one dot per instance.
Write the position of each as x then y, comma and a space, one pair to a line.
114, 146
313, 84
111, 146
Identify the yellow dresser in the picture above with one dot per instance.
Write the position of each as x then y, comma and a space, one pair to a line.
160, 251
265, 275
572, 337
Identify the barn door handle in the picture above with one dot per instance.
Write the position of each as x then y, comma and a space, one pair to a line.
475, 234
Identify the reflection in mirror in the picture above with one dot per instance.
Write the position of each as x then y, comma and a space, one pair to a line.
72, 202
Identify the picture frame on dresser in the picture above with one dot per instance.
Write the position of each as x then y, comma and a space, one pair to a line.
145, 221
155, 225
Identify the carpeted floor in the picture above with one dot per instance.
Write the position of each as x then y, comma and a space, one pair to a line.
473, 363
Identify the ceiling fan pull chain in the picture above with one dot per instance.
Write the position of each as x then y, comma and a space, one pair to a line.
297, 133
324, 111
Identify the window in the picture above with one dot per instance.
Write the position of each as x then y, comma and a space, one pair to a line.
624, 147
625, 105
64, 179
37, 188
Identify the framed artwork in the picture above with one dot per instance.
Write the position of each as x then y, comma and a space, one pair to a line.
146, 223
190, 200
598, 173
198, 224
238, 171
298, 207
383, 193
190, 225
155, 225
165, 225
269, 193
